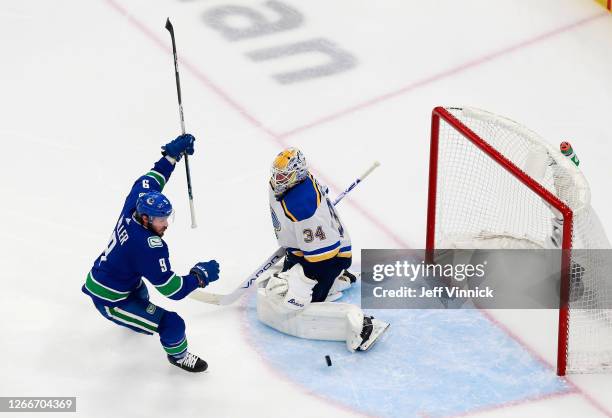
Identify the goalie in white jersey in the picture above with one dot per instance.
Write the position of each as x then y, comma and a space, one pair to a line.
298, 301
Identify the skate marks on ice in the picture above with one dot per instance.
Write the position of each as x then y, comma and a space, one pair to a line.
433, 363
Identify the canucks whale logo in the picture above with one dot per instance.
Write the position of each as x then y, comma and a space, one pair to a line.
275, 222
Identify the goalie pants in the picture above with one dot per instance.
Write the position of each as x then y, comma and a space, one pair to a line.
140, 315
324, 272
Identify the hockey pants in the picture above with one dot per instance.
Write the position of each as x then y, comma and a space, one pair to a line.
140, 315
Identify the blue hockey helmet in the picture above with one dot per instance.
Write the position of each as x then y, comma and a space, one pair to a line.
154, 205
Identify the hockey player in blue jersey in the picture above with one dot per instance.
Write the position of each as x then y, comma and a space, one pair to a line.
136, 251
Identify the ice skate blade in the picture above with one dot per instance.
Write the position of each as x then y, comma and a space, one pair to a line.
380, 328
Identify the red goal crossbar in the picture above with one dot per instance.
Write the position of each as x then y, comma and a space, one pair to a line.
441, 113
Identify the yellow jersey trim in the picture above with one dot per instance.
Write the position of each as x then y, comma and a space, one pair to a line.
289, 214
322, 257
316, 190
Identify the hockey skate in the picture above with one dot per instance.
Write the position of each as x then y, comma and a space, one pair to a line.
190, 363
372, 330
342, 283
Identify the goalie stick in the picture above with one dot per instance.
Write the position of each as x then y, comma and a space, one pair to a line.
220, 299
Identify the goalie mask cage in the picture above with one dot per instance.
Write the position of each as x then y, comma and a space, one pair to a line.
481, 196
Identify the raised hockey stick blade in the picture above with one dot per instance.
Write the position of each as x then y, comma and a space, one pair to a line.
170, 29
219, 299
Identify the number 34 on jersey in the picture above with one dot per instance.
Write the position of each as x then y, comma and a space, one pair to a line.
307, 224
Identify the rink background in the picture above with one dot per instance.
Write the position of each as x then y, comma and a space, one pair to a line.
89, 97
430, 363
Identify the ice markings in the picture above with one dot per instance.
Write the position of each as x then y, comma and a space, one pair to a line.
337, 60
432, 362
238, 23
230, 21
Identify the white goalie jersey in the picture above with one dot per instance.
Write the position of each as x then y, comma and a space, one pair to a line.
307, 224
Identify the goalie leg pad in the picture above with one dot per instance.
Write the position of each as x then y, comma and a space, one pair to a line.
318, 321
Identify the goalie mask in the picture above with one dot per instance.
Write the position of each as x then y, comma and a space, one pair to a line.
288, 169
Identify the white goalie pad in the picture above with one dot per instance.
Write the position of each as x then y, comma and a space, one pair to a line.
291, 288
329, 321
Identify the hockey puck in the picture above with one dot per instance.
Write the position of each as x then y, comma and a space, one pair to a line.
328, 361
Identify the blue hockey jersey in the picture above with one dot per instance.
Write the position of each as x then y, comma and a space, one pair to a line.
135, 252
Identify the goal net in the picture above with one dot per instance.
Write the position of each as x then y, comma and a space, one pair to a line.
495, 184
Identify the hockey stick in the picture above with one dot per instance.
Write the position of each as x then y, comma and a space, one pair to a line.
180, 102
219, 299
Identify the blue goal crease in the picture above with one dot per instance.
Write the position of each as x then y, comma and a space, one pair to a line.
431, 362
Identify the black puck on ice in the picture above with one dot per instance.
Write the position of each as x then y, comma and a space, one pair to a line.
328, 361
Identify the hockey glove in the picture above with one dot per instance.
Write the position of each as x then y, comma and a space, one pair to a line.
176, 148
206, 272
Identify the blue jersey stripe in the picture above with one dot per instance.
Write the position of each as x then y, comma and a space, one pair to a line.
323, 250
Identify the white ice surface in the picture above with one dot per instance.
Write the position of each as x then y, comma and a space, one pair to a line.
88, 96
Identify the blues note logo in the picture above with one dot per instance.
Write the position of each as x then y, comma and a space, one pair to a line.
275, 222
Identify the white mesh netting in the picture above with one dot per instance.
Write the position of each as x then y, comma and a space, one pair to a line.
479, 204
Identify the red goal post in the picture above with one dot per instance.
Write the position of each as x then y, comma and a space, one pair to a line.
480, 190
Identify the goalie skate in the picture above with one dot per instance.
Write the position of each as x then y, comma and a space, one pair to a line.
372, 330
342, 283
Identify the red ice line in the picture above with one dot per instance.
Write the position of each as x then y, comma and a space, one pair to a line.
512, 403
444, 74
280, 139
244, 328
574, 387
